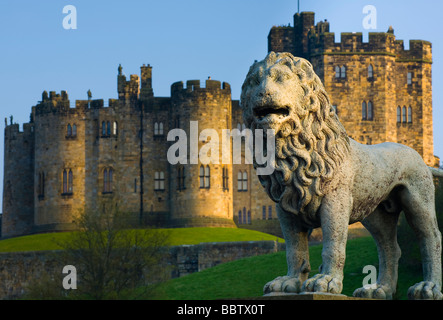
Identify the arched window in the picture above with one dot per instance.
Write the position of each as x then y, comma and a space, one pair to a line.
108, 128
103, 128
405, 115
264, 212
335, 109
337, 72
398, 114
115, 128
156, 129
343, 72
207, 177
160, 128
74, 130
245, 181
239, 217
409, 79
105, 180
364, 114
244, 215
409, 114
69, 130
370, 71
65, 181
370, 111
239, 181
70, 182
249, 216
269, 212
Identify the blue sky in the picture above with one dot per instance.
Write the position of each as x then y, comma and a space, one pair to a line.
182, 40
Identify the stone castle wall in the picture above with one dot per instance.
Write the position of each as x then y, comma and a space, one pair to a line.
19, 269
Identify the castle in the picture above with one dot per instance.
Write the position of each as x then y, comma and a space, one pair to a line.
67, 160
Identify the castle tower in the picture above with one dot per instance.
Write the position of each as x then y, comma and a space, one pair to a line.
201, 194
380, 91
18, 183
59, 192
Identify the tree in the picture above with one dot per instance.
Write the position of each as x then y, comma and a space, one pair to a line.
112, 261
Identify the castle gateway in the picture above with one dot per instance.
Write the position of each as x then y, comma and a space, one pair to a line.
69, 159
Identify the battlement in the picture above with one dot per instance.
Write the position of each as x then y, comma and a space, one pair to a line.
307, 39
12, 131
194, 86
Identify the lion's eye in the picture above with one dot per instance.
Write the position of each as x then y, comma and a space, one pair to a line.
281, 77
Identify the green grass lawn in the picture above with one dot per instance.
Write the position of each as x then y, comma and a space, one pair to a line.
178, 236
246, 277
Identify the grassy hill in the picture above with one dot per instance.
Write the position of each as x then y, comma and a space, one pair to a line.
246, 277
178, 236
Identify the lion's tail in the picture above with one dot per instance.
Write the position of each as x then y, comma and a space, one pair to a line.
436, 172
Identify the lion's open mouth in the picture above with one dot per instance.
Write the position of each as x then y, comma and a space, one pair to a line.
264, 111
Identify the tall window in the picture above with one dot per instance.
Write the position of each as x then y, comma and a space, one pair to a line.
242, 181
370, 71
107, 180
108, 128
158, 128
68, 178
244, 215
69, 130
340, 72
207, 177
409, 114
404, 114
245, 181
367, 111
264, 212
364, 114
41, 185
343, 72
181, 178
103, 128
398, 114
225, 178
74, 130
115, 128
249, 216
409, 79
270, 212
370, 111
159, 181
239, 217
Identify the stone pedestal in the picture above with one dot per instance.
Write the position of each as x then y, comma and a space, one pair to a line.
307, 296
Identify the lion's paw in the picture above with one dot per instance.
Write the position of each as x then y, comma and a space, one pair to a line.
374, 292
285, 284
425, 290
323, 283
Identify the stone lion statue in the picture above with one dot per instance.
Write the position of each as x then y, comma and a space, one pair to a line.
322, 178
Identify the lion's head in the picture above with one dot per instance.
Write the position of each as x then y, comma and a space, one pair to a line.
283, 93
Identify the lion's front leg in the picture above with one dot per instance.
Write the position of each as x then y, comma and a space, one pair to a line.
297, 256
334, 223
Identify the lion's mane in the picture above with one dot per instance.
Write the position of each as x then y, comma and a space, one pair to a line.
308, 156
